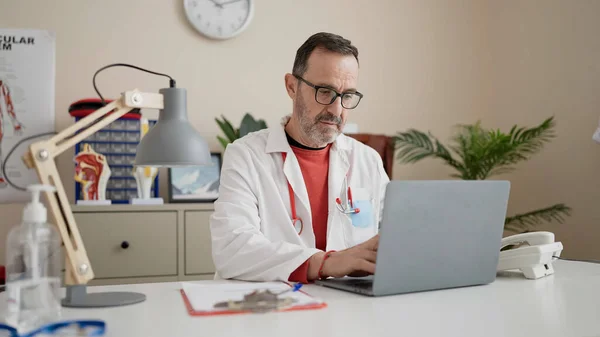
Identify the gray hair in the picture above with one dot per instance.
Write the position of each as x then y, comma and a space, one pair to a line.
327, 41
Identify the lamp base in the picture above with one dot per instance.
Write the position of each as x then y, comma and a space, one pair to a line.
77, 297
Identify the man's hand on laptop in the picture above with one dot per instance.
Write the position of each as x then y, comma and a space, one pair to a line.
357, 261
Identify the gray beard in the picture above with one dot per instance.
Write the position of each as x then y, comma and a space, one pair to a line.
312, 129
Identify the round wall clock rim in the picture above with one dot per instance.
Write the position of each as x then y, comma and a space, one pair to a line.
216, 37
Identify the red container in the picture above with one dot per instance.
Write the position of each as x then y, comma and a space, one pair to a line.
86, 106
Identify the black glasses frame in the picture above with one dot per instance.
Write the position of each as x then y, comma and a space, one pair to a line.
337, 94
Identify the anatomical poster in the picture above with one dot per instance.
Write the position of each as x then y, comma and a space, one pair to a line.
27, 80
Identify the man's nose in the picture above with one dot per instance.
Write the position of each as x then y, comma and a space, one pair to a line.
336, 107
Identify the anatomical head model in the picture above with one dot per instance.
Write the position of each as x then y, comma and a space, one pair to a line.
92, 172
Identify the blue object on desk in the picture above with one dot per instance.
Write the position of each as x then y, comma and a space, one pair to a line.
296, 287
84, 328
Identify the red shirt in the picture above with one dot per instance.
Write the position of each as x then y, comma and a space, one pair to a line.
314, 164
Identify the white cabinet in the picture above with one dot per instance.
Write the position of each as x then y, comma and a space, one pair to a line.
154, 243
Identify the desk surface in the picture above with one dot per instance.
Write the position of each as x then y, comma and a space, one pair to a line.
564, 304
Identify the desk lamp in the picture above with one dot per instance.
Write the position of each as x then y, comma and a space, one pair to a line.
171, 142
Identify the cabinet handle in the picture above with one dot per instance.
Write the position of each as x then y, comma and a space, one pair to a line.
124, 244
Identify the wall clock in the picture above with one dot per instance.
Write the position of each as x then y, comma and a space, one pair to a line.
219, 19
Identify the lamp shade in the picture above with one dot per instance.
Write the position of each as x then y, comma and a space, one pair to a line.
173, 142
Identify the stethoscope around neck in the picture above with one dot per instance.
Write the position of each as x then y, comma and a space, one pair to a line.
346, 207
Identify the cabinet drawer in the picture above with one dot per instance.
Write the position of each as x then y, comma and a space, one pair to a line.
130, 244
198, 251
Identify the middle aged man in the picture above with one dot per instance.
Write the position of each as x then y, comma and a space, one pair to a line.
301, 201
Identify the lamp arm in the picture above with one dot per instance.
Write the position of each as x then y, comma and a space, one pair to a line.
41, 156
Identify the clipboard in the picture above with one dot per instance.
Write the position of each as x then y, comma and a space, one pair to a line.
199, 298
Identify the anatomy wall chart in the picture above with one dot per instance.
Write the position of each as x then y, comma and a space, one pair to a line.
27, 80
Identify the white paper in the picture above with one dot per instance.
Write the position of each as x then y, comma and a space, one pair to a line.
27, 70
203, 297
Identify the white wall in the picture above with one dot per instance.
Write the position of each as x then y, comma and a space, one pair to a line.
424, 64
544, 61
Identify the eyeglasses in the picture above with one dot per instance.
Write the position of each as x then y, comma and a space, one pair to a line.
65, 328
326, 95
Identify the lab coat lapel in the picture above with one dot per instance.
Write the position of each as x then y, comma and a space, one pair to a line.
293, 174
277, 143
338, 167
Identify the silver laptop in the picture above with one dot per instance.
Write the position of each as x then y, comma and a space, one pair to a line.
434, 235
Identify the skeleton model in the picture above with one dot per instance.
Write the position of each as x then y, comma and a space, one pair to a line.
7, 110
144, 177
92, 172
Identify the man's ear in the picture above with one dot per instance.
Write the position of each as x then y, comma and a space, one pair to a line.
291, 85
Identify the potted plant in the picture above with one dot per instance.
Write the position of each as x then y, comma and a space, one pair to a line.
248, 124
476, 153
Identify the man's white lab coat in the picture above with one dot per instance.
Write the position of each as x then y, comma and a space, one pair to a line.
252, 233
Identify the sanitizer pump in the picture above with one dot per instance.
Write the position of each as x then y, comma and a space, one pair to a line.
33, 267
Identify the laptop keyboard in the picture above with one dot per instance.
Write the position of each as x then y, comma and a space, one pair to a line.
358, 283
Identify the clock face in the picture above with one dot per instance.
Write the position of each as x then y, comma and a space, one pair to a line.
219, 19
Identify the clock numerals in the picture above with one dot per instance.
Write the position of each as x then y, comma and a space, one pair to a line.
220, 30
193, 4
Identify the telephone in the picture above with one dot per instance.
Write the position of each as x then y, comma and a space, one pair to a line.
533, 253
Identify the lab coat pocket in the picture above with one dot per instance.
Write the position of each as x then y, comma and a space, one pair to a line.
360, 226
364, 218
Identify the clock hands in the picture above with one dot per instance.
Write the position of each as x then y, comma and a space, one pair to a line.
218, 5
230, 2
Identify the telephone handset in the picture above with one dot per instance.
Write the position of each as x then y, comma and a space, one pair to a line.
532, 253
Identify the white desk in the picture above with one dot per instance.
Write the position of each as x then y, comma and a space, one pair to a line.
565, 304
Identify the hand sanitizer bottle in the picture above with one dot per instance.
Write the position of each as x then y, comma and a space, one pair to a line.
33, 268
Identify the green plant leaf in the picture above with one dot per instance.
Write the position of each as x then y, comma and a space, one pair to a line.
413, 146
519, 145
481, 153
524, 221
249, 124
530, 141
485, 153
227, 128
224, 142
469, 143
